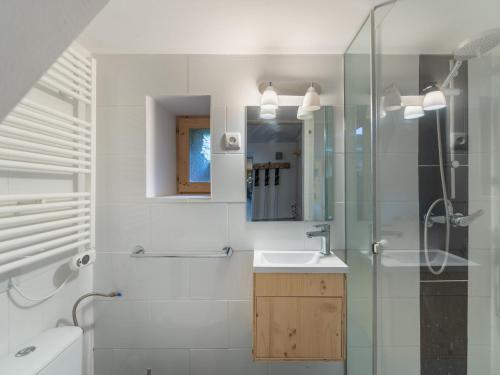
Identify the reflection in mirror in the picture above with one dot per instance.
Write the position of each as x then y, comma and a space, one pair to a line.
289, 165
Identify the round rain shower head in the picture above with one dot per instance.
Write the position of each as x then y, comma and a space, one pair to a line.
478, 45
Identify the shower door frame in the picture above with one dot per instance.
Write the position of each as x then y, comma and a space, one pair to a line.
376, 243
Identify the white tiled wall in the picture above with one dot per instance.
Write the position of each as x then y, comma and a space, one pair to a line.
21, 320
190, 316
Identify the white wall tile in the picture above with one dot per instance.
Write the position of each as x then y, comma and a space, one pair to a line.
479, 360
338, 128
400, 360
480, 273
397, 135
228, 178
225, 362
137, 362
226, 278
103, 362
27, 319
339, 177
120, 227
126, 80
397, 177
142, 278
217, 128
245, 235
188, 227
189, 324
121, 130
235, 122
400, 322
399, 282
238, 85
358, 360
359, 324
121, 179
122, 324
226, 119
479, 312
483, 233
317, 368
399, 224
240, 324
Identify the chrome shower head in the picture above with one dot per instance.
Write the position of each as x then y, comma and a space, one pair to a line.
478, 45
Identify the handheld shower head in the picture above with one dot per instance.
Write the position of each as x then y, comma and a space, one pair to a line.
478, 45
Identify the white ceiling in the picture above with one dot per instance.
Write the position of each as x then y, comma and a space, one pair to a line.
226, 26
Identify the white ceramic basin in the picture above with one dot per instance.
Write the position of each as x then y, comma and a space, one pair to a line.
297, 262
287, 258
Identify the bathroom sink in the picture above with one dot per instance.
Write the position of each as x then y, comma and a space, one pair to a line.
297, 262
286, 258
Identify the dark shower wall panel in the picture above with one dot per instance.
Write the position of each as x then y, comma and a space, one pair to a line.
443, 298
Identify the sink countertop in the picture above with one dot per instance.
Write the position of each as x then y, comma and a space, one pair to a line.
297, 262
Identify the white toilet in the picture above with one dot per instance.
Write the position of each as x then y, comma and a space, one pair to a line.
57, 351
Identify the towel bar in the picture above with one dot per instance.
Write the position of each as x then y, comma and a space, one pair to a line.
140, 252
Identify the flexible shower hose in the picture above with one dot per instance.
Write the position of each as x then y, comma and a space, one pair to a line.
447, 208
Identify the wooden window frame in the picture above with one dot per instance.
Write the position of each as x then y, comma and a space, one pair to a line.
184, 124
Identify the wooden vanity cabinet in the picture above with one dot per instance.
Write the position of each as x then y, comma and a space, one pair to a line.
299, 316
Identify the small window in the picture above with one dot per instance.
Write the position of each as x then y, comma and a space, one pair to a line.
193, 155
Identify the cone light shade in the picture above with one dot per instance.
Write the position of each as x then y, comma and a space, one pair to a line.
381, 109
304, 115
269, 98
268, 113
392, 99
311, 100
434, 100
413, 112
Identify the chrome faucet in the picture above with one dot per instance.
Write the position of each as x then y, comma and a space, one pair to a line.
456, 219
324, 233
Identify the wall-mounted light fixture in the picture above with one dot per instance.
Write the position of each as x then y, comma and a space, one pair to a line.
267, 113
392, 99
311, 100
269, 98
304, 115
413, 107
434, 98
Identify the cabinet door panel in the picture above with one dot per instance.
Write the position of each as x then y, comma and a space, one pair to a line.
298, 328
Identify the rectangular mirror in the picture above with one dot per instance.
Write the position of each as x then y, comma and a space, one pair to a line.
289, 165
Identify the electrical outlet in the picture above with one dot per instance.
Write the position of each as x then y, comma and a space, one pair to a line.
232, 141
82, 260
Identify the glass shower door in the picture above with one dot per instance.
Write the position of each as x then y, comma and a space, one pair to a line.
359, 192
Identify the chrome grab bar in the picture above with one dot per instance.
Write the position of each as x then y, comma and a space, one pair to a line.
140, 252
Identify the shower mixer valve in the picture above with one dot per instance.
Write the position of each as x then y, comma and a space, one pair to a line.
456, 219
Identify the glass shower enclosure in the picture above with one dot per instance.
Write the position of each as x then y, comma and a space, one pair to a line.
422, 138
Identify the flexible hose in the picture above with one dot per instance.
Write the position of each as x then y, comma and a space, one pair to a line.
447, 207
39, 299
75, 306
